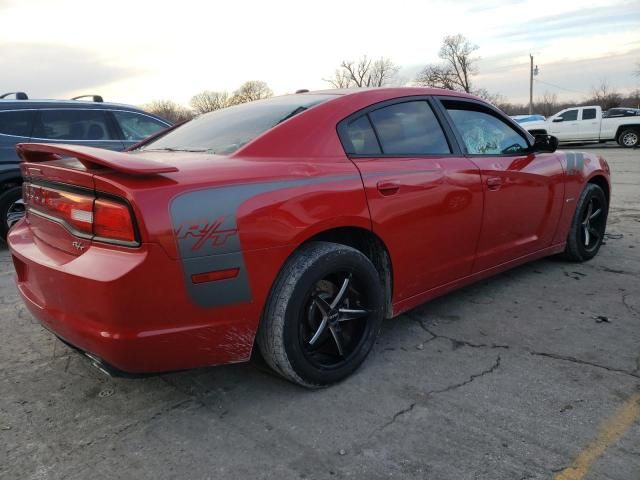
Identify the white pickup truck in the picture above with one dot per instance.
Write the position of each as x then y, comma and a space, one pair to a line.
585, 124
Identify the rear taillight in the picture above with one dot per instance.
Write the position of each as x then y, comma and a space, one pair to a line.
76, 210
112, 220
84, 215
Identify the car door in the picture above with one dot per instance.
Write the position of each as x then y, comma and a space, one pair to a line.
89, 127
589, 124
425, 198
523, 191
565, 125
134, 127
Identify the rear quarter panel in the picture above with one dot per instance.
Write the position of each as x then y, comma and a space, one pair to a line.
244, 213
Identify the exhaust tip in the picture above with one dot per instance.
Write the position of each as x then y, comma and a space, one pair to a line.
99, 364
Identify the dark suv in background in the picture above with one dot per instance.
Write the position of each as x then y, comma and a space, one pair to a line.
93, 123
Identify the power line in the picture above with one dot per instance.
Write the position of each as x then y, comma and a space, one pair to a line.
558, 86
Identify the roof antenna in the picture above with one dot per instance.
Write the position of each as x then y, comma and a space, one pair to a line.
302, 90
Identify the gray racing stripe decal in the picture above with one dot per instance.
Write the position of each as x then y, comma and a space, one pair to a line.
575, 162
205, 226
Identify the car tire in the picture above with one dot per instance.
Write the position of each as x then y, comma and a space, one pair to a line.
8, 206
588, 225
629, 138
323, 315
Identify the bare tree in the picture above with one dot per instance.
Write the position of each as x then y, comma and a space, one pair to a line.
383, 72
634, 98
365, 72
250, 91
169, 110
547, 105
439, 76
209, 101
605, 95
341, 78
491, 97
457, 67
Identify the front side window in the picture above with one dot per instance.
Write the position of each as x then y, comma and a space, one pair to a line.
485, 134
569, 115
136, 127
226, 130
72, 125
17, 123
588, 114
409, 128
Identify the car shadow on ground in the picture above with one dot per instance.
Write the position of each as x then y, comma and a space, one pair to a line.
404, 333
397, 334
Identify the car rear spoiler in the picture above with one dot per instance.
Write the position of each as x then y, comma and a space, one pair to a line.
91, 157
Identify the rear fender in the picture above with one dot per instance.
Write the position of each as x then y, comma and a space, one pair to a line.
216, 228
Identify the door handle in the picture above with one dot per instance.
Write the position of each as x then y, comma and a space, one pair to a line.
387, 187
494, 183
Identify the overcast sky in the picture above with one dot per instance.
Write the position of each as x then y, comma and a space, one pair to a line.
135, 51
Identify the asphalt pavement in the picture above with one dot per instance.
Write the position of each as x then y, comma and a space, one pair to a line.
534, 374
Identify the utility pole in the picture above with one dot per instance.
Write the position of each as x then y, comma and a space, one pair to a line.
532, 72
531, 86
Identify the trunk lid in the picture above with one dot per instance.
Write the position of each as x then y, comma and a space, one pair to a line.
64, 210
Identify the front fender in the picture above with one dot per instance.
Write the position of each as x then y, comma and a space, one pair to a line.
579, 169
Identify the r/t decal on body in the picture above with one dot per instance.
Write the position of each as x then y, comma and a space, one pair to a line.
205, 226
204, 232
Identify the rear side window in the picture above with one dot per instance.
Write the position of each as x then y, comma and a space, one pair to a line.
409, 128
362, 138
588, 114
73, 125
136, 126
17, 123
485, 134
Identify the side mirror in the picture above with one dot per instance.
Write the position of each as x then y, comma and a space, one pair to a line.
545, 143
558, 119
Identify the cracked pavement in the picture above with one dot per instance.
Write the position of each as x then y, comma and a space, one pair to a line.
506, 379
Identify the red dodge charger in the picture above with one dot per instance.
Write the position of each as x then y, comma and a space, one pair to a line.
295, 224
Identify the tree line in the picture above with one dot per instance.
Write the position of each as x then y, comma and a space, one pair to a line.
209, 101
455, 70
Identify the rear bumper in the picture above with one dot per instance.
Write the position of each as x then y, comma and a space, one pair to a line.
127, 307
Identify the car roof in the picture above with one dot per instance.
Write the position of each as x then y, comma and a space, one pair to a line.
12, 104
392, 91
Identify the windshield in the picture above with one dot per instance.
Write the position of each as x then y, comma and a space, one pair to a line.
224, 131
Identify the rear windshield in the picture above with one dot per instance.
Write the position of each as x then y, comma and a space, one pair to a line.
225, 131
